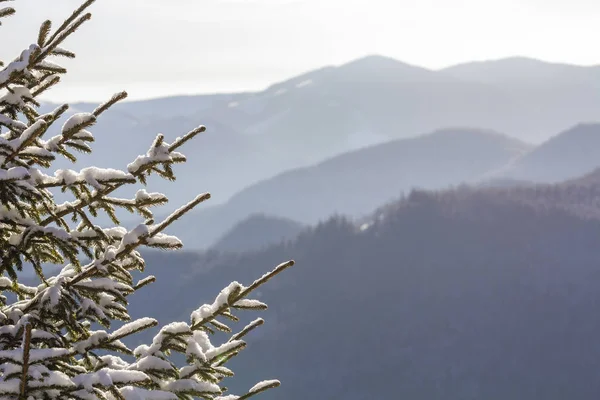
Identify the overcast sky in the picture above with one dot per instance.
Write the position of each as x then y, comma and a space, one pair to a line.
154, 48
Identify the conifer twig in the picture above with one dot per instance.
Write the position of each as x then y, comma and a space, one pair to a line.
67, 21
127, 249
178, 213
280, 268
80, 204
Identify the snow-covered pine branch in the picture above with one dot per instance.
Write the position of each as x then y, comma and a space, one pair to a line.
48, 349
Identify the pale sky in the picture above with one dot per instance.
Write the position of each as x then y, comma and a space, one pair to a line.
160, 47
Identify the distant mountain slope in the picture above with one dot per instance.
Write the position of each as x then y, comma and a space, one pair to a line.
258, 231
567, 155
357, 182
551, 95
465, 294
336, 109
524, 70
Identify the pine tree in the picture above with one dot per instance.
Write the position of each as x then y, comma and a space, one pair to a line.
49, 345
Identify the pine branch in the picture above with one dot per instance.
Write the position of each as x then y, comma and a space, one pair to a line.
7, 12
44, 31
68, 21
179, 213
263, 388
262, 280
105, 106
92, 268
29, 135
82, 203
64, 308
56, 40
249, 328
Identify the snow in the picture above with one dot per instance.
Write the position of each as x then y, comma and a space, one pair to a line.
5, 283
133, 236
135, 326
203, 341
27, 134
84, 134
161, 239
304, 83
14, 173
90, 308
156, 154
108, 377
249, 303
56, 378
233, 104
152, 363
86, 295
53, 294
105, 284
78, 120
93, 176
185, 385
49, 66
94, 340
142, 196
194, 350
18, 97
52, 143
206, 310
260, 386
35, 355
167, 331
37, 151
114, 362
19, 65
225, 348
11, 123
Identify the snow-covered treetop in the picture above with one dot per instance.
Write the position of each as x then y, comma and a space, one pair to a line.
48, 349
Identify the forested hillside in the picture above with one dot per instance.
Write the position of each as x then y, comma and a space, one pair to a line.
463, 294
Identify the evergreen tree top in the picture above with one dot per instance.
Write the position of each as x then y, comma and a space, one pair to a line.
48, 346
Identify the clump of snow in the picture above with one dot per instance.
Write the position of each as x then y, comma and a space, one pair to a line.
19, 65
142, 195
250, 303
154, 155
93, 176
304, 83
207, 310
135, 326
16, 96
78, 120
133, 236
15, 173
191, 385
260, 386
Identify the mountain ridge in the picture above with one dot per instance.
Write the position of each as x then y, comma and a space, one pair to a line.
357, 182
